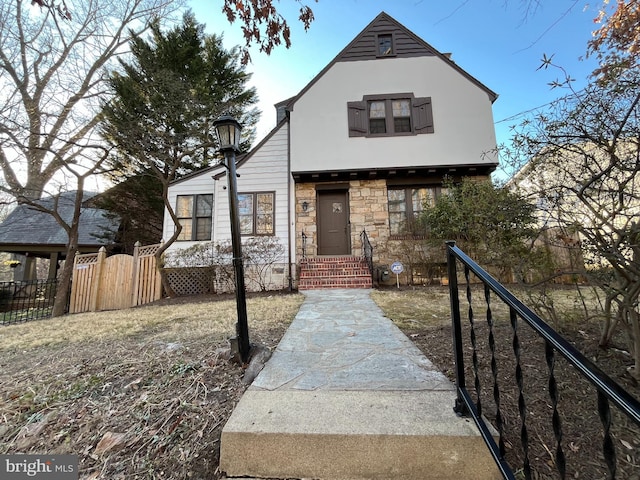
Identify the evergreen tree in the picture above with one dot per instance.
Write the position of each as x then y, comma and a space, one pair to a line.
169, 94
166, 99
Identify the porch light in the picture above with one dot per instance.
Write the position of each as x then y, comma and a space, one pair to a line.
228, 130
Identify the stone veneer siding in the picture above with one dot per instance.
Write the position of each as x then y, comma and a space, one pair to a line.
367, 211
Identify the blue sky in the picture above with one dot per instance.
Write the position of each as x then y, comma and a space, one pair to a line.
493, 40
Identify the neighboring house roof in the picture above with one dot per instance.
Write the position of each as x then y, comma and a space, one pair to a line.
363, 47
27, 229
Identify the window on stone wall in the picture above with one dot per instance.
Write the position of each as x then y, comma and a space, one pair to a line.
406, 204
194, 214
257, 212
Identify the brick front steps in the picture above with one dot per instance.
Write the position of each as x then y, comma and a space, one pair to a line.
334, 272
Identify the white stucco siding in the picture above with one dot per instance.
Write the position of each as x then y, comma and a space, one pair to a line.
462, 114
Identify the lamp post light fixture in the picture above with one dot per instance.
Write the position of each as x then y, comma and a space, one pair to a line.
228, 130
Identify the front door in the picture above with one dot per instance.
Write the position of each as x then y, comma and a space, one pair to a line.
333, 223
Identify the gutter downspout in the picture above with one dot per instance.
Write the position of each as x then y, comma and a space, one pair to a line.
291, 233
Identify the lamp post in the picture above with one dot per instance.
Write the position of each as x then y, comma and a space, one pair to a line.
228, 131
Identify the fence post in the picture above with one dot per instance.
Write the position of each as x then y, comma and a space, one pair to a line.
135, 287
460, 406
95, 291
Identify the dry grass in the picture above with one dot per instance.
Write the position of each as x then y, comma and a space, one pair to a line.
415, 308
139, 393
420, 307
213, 319
150, 385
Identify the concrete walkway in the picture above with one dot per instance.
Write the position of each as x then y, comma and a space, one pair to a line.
346, 395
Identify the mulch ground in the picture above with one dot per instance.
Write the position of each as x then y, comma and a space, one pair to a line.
582, 431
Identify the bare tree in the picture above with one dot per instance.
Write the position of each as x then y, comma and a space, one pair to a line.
584, 172
52, 80
71, 223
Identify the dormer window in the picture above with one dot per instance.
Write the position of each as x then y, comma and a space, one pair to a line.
385, 45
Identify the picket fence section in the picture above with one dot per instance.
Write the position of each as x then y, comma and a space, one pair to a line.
116, 282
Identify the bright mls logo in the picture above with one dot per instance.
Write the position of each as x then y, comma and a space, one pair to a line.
49, 467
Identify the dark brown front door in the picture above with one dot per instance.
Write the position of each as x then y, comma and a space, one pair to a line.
333, 223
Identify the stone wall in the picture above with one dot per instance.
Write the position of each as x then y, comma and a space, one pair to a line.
306, 220
367, 211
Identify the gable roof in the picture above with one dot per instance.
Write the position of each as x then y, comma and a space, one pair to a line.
219, 170
28, 226
406, 43
242, 160
363, 47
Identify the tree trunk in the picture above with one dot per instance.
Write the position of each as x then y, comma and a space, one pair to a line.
178, 228
64, 282
166, 285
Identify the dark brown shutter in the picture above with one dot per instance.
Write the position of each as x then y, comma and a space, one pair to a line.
357, 119
422, 115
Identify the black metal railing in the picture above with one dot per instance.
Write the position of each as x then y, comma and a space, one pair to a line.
304, 245
24, 301
490, 395
367, 251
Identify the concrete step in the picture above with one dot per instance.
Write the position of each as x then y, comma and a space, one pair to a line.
352, 435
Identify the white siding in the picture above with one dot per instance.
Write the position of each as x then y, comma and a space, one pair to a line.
463, 119
265, 171
197, 184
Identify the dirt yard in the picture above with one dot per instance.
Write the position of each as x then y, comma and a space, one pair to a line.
429, 328
144, 393
137, 394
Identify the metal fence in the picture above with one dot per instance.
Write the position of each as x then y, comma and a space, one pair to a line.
476, 344
24, 301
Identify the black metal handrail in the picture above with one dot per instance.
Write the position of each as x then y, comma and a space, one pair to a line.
304, 245
28, 300
367, 250
607, 389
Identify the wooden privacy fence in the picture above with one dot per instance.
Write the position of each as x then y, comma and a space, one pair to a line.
113, 283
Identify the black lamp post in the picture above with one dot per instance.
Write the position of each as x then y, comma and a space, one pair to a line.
228, 130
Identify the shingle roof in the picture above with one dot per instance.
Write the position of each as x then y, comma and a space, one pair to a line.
27, 226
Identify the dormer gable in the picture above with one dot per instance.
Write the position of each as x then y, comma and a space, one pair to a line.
384, 37
367, 46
